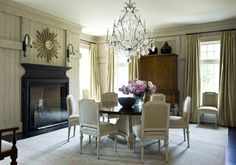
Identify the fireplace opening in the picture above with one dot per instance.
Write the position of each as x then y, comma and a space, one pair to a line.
47, 106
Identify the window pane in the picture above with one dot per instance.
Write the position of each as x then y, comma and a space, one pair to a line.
209, 66
84, 70
121, 73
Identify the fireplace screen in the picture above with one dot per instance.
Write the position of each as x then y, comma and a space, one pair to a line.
46, 106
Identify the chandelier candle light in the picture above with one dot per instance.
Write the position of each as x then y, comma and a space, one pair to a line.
129, 34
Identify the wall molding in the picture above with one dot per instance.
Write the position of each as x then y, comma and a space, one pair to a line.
9, 44
196, 28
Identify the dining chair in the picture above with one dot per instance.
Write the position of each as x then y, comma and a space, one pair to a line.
154, 125
7, 148
109, 99
85, 94
90, 123
209, 106
73, 114
182, 121
158, 97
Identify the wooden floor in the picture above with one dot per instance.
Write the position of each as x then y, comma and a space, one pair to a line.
231, 148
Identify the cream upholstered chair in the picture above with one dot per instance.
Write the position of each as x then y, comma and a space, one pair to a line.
109, 99
73, 114
85, 94
90, 123
6, 148
158, 97
154, 125
209, 105
182, 121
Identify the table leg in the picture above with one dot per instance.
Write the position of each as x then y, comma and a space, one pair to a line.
125, 128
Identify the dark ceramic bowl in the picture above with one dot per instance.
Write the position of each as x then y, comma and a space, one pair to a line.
127, 101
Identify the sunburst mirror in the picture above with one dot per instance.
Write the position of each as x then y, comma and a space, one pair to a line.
46, 44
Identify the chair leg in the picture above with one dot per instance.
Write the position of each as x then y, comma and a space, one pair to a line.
142, 150
115, 142
69, 127
198, 118
74, 130
81, 142
14, 157
166, 149
184, 134
89, 139
98, 143
216, 119
134, 137
159, 145
188, 137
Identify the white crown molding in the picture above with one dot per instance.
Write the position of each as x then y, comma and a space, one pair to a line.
197, 28
33, 14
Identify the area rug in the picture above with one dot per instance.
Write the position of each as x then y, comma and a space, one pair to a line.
207, 146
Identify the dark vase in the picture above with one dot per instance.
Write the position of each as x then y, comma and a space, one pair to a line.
150, 52
127, 101
166, 49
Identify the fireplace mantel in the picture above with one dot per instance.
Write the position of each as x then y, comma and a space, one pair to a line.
45, 78
45, 71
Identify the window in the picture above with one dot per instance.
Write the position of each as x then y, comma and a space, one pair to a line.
121, 75
84, 70
209, 66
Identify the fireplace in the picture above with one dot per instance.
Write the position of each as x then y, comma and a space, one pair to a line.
44, 91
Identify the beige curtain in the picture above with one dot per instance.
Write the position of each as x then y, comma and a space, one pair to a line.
110, 70
192, 75
133, 68
95, 91
227, 93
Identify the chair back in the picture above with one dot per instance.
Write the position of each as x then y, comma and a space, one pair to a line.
158, 97
71, 105
85, 94
155, 118
89, 113
186, 108
109, 97
210, 99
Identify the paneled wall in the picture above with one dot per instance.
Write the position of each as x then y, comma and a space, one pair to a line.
16, 21
31, 27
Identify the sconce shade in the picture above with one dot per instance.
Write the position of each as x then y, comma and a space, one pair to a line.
69, 51
26, 43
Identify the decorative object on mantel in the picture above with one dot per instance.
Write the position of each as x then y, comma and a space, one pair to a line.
166, 49
46, 44
69, 51
151, 52
129, 35
138, 88
26, 43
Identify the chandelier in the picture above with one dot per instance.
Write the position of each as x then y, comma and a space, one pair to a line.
129, 34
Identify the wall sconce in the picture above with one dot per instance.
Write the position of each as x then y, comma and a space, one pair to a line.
69, 51
26, 43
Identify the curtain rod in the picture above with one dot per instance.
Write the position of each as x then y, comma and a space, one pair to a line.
210, 31
88, 41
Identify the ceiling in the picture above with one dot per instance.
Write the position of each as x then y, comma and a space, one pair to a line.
97, 15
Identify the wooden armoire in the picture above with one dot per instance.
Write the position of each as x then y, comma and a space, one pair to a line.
162, 70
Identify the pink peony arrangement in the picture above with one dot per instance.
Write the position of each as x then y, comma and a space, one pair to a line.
138, 88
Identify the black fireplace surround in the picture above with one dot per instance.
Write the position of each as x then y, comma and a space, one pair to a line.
43, 97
